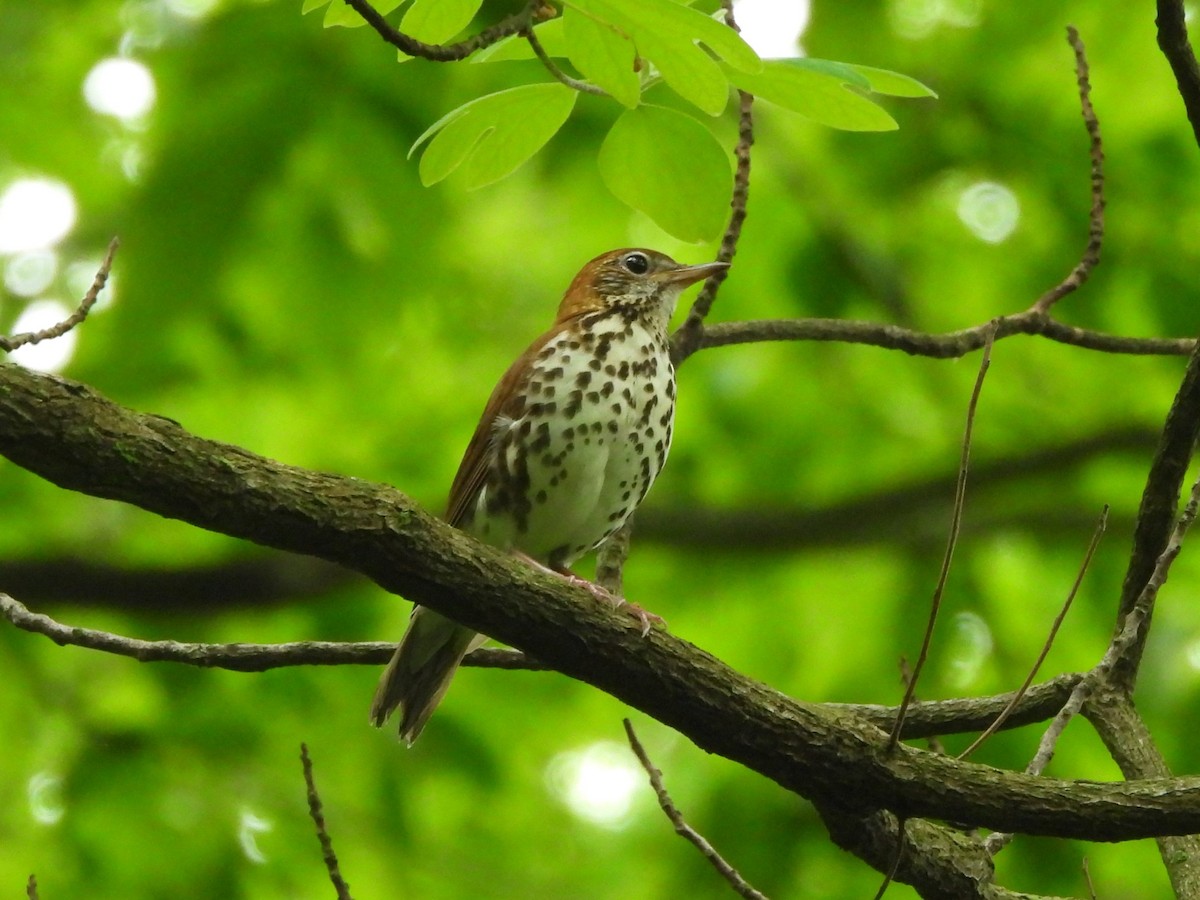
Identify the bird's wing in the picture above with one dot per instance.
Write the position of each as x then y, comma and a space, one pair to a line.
507, 401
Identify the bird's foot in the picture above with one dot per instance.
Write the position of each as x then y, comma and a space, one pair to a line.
600, 593
644, 616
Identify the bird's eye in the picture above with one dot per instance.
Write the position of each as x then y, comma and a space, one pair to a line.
637, 263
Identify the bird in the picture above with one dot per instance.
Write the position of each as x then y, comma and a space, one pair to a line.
569, 443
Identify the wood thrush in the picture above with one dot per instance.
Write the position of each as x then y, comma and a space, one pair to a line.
569, 442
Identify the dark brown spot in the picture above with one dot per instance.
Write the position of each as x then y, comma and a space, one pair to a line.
541, 497
606, 390
612, 426
583, 379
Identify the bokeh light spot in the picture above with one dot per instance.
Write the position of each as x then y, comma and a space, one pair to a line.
250, 826
119, 87
915, 19
45, 798
989, 210
35, 214
28, 274
51, 355
596, 783
772, 28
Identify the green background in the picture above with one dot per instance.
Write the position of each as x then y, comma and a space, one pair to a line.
287, 285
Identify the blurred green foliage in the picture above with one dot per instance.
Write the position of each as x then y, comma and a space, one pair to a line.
286, 284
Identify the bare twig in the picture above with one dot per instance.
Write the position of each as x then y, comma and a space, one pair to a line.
1173, 41
318, 817
533, 11
237, 657
682, 828
949, 345
553, 68
1091, 254
1087, 879
31, 888
960, 494
1058, 620
688, 338
923, 719
8, 344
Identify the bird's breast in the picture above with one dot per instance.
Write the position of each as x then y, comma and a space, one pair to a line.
582, 441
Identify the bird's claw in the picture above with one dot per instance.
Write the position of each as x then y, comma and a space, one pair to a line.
600, 593
644, 616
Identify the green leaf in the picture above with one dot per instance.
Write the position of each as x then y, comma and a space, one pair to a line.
550, 35
603, 55
341, 15
893, 84
491, 136
436, 21
310, 5
819, 92
668, 34
670, 167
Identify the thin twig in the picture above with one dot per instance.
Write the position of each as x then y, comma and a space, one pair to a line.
1128, 636
552, 67
682, 828
533, 11
611, 562
318, 817
1087, 880
960, 495
8, 344
237, 657
897, 857
1091, 254
948, 345
923, 719
687, 338
1058, 620
31, 888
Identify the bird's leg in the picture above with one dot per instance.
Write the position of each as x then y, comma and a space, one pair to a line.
645, 617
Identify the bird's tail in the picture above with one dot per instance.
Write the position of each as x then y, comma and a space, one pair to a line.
421, 670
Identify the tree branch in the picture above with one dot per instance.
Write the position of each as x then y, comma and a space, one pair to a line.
1132, 747
1173, 41
510, 25
70, 435
1156, 514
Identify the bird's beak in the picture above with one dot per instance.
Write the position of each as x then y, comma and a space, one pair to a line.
685, 275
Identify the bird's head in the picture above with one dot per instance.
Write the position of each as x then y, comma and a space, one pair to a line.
641, 282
